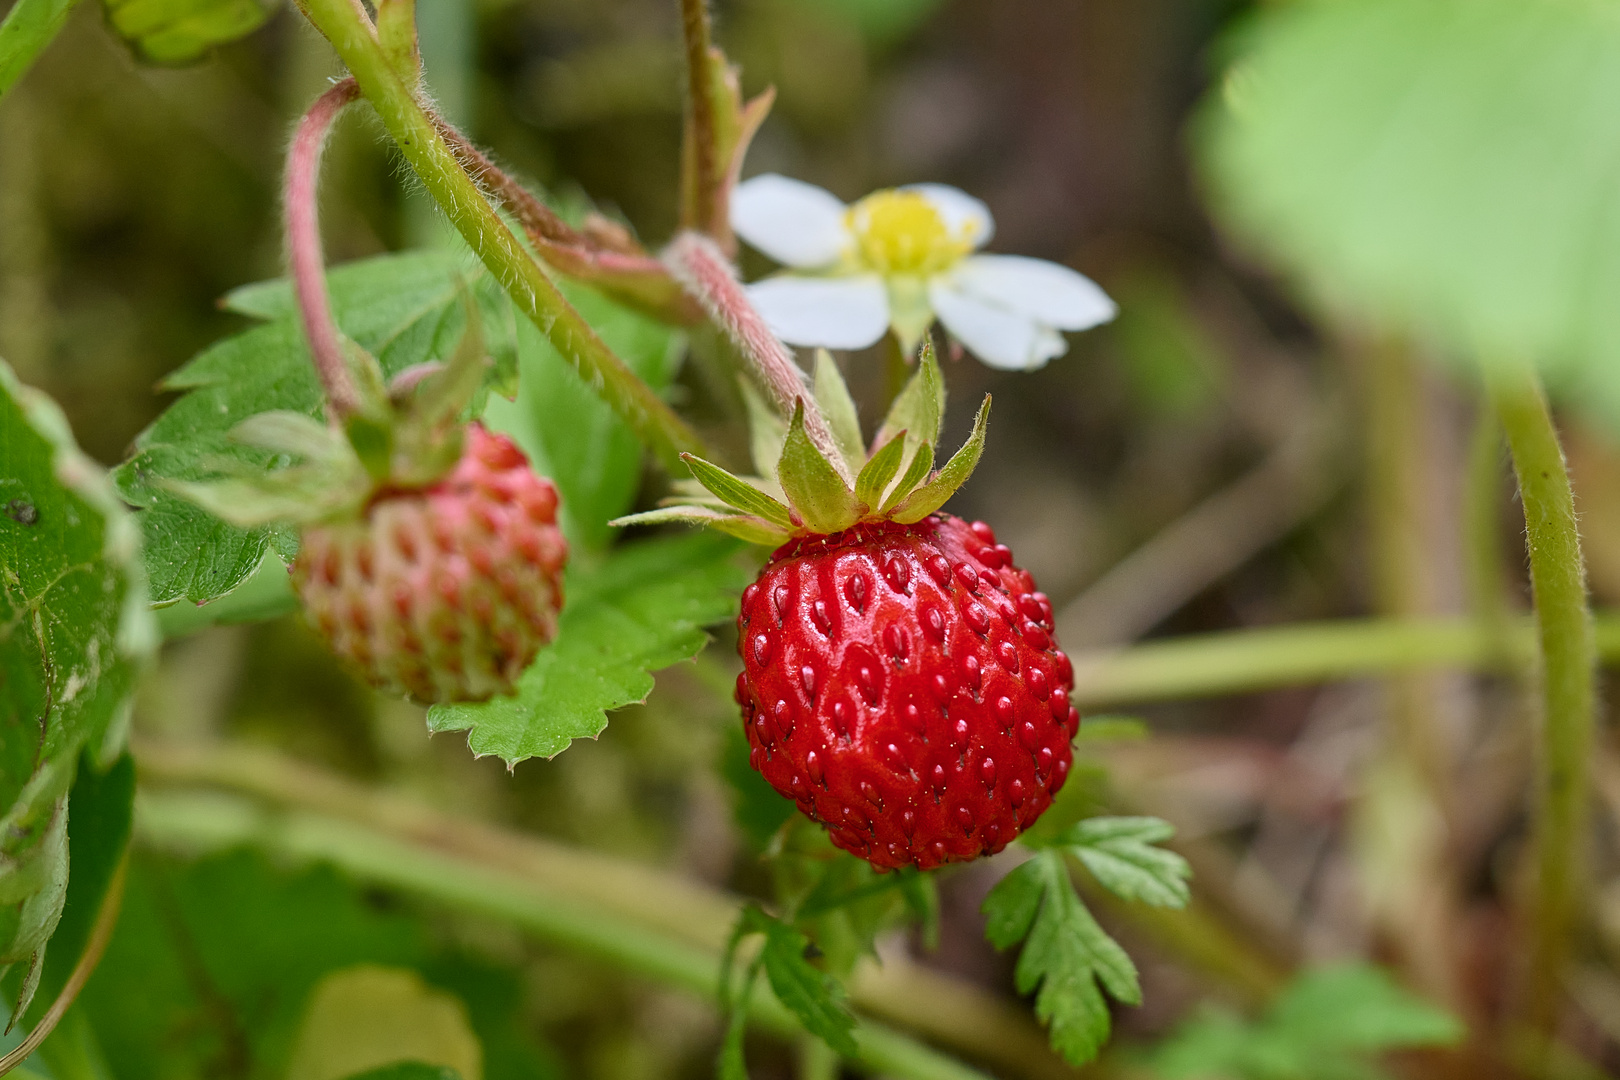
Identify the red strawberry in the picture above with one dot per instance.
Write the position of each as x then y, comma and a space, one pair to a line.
900, 683
445, 592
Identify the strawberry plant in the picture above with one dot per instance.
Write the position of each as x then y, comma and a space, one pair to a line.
645, 482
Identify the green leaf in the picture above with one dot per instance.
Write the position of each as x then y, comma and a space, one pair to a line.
361, 1019
404, 309
832, 396
640, 609
1447, 168
569, 433
814, 489
1119, 852
919, 408
737, 493
875, 475
180, 31
75, 635
1066, 956
812, 995
934, 494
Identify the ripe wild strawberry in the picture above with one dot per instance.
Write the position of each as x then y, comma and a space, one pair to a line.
901, 685
900, 682
445, 592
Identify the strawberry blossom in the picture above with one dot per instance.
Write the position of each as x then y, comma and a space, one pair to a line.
900, 258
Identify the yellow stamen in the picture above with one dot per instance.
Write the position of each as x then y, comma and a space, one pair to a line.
900, 232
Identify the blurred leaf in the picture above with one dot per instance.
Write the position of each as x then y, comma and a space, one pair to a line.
409, 1070
74, 636
640, 609
1172, 367
1120, 853
1448, 168
1066, 955
1328, 1025
180, 31
362, 1018
880, 21
1109, 728
405, 309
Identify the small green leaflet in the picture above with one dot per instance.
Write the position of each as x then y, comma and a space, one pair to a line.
180, 31
641, 608
405, 309
75, 634
1328, 1025
812, 995
1066, 956
1120, 854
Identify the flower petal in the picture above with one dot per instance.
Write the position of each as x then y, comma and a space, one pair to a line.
960, 211
833, 312
1044, 291
795, 223
996, 335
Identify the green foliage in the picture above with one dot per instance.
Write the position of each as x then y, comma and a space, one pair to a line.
811, 994
1329, 1025
409, 1070
212, 964
1446, 167
1066, 956
642, 608
1120, 854
568, 432
180, 31
74, 636
404, 309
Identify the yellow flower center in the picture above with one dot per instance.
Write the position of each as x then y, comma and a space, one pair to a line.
900, 232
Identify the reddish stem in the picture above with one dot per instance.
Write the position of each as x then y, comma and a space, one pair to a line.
304, 259
707, 275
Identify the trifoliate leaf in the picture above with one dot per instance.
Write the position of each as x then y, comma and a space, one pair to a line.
919, 408
873, 479
832, 396
181, 31
814, 489
405, 309
1119, 852
1066, 956
812, 995
934, 494
1447, 168
642, 608
75, 634
737, 493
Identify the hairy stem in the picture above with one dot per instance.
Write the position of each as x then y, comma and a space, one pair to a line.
698, 264
1568, 669
702, 126
305, 262
442, 175
30, 25
667, 927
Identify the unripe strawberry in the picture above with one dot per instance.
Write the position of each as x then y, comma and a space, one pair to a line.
444, 592
900, 683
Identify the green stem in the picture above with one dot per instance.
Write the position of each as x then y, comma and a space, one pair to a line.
1568, 669
30, 26
441, 173
702, 150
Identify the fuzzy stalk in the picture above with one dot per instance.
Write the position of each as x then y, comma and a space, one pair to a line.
702, 126
29, 26
534, 294
698, 264
305, 262
1567, 668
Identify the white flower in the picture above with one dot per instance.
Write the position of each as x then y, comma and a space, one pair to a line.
900, 258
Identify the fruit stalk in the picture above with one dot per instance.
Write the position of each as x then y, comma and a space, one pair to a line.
1568, 664
698, 264
534, 294
305, 263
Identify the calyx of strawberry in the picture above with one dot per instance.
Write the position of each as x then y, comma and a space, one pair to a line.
403, 435
802, 491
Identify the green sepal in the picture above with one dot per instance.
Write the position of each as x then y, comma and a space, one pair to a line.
919, 408
839, 409
932, 495
875, 474
814, 489
922, 462
736, 493
767, 431
372, 438
283, 431
742, 526
428, 430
